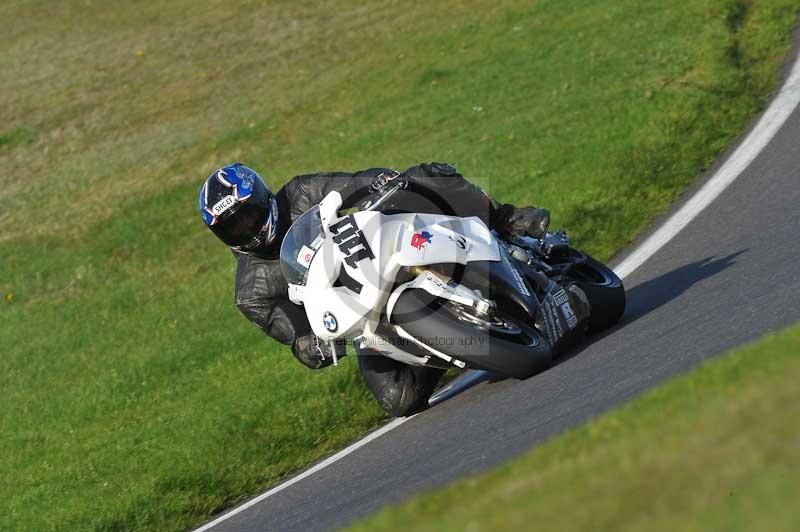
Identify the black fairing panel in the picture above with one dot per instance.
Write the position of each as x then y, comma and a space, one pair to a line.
497, 281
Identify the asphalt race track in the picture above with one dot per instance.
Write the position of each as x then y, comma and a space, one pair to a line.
729, 277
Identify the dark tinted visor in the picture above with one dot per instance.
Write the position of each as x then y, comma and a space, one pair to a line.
243, 225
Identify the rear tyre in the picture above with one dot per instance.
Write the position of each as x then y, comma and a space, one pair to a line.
604, 290
498, 344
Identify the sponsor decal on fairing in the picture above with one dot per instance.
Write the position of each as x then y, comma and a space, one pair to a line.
351, 241
459, 240
329, 321
420, 240
305, 256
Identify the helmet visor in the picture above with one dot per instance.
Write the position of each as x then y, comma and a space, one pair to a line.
245, 225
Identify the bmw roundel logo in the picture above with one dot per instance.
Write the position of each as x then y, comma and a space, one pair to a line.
329, 320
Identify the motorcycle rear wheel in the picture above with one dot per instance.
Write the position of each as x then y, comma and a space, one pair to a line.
500, 345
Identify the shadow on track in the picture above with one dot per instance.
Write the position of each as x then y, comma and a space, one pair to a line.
648, 296
642, 299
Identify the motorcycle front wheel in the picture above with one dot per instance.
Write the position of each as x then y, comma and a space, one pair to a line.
498, 344
604, 290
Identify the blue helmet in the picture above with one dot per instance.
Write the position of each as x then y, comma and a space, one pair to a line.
239, 208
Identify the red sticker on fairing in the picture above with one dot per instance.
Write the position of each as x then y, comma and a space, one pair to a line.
421, 239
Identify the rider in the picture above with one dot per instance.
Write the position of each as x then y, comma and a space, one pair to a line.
239, 208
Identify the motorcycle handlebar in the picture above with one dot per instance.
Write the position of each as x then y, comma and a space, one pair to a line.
385, 195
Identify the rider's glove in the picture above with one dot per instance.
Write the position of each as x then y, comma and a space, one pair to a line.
525, 221
314, 353
435, 169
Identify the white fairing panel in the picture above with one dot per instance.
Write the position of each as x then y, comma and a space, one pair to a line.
351, 274
334, 311
434, 239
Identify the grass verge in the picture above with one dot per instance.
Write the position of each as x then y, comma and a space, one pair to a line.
717, 449
136, 396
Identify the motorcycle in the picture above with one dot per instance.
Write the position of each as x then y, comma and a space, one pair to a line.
436, 290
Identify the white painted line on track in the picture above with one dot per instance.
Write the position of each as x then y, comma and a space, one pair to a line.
307, 473
769, 124
771, 121
322, 465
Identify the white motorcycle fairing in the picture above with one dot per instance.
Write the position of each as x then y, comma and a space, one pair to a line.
351, 272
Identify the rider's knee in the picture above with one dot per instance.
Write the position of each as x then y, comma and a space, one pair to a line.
400, 389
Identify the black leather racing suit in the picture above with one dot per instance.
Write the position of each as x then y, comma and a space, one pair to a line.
262, 293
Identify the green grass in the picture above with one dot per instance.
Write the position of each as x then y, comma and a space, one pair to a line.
135, 396
717, 449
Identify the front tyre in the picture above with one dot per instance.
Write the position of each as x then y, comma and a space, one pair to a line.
604, 290
498, 344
